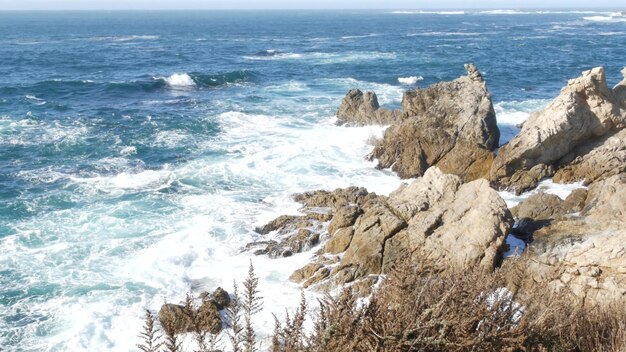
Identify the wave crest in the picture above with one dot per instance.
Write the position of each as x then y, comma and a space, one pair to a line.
409, 81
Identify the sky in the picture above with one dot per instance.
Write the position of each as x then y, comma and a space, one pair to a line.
300, 4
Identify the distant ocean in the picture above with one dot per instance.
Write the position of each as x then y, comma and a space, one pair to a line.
138, 150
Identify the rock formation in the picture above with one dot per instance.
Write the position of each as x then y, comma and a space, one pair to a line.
359, 109
450, 124
594, 161
208, 317
290, 234
435, 220
580, 120
585, 253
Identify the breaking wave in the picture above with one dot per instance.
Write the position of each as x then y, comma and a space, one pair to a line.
410, 80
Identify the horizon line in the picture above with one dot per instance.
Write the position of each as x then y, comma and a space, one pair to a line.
320, 9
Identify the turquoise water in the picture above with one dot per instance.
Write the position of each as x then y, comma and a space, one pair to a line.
138, 150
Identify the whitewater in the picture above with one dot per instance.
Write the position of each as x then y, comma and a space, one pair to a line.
138, 151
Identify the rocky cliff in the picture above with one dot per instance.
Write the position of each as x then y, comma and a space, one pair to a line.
450, 124
572, 133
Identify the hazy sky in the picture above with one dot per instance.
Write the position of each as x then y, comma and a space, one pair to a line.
300, 4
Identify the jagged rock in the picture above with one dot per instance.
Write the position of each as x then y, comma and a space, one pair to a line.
358, 109
345, 216
364, 255
339, 241
281, 223
464, 229
586, 254
594, 161
585, 110
540, 206
334, 199
221, 298
449, 124
541, 209
297, 233
301, 239
177, 318
174, 316
576, 200
436, 221
305, 272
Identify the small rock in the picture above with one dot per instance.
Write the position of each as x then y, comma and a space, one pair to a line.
221, 298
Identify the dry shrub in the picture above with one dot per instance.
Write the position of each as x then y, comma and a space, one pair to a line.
416, 310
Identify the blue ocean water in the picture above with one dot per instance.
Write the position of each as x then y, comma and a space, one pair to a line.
138, 150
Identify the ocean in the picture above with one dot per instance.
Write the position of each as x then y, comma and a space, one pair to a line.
139, 150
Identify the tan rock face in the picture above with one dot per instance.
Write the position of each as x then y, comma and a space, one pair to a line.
449, 124
436, 221
586, 254
290, 234
462, 230
595, 161
359, 109
585, 110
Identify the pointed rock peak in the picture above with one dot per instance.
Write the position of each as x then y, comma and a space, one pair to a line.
473, 73
621, 86
590, 78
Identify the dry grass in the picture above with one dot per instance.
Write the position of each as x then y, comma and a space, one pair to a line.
463, 311
416, 310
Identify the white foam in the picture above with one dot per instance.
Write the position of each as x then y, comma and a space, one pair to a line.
129, 150
410, 80
30, 131
328, 58
170, 138
360, 36
428, 12
117, 185
610, 18
443, 34
387, 94
126, 38
33, 99
504, 12
179, 80
611, 33
547, 186
510, 114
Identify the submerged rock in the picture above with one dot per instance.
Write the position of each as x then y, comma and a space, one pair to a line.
450, 124
574, 124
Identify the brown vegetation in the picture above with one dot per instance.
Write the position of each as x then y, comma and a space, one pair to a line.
417, 310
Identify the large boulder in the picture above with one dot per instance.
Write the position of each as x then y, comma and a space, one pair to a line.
464, 227
585, 111
436, 221
359, 109
585, 253
450, 124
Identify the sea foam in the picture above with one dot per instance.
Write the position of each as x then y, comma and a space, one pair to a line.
410, 80
179, 80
